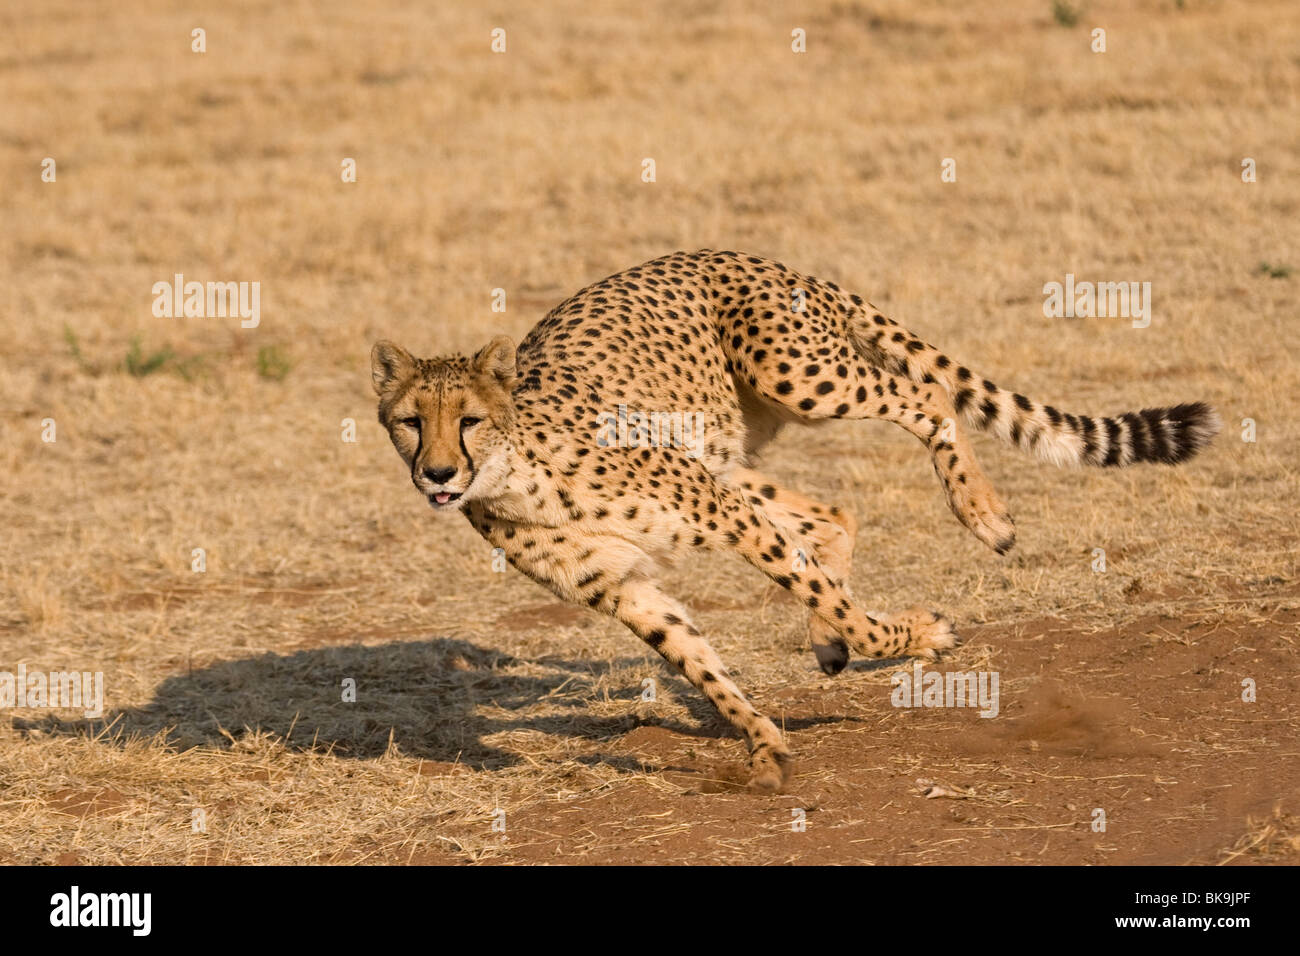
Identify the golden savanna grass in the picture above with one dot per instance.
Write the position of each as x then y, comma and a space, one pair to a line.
522, 171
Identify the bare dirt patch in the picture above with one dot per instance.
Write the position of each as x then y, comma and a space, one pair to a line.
1179, 763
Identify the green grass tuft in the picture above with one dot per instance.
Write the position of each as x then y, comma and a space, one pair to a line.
1064, 13
138, 364
272, 363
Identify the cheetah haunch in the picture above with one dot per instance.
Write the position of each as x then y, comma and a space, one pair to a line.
512, 438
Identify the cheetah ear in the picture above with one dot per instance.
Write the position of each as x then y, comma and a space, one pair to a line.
497, 359
389, 364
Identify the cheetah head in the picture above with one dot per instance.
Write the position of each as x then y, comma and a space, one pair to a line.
450, 419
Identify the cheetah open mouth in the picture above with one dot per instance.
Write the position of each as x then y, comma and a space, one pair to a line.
444, 497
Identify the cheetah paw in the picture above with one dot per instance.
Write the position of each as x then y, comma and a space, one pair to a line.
987, 518
930, 632
831, 650
771, 768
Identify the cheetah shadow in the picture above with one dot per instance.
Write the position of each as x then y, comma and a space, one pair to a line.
437, 700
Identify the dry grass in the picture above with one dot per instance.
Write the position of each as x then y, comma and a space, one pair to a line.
1272, 837
522, 171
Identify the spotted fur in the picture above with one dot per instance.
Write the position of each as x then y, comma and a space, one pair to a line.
513, 439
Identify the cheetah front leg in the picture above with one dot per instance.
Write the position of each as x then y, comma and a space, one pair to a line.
663, 624
604, 573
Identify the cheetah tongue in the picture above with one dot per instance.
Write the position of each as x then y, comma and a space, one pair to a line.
442, 497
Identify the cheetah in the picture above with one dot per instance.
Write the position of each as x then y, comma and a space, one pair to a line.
518, 440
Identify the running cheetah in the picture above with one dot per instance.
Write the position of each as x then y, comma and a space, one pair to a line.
532, 445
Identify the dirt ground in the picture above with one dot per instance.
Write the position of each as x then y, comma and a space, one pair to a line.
1171, 758
490, 724
1143, 721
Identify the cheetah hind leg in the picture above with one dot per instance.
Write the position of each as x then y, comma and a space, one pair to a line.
827, 531
916, 632
833, 377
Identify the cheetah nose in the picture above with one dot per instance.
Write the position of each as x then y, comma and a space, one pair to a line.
440, 475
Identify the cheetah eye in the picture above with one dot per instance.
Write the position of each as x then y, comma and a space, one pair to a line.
411, 423
468, 422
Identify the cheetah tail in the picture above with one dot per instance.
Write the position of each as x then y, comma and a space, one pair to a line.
1168, 435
